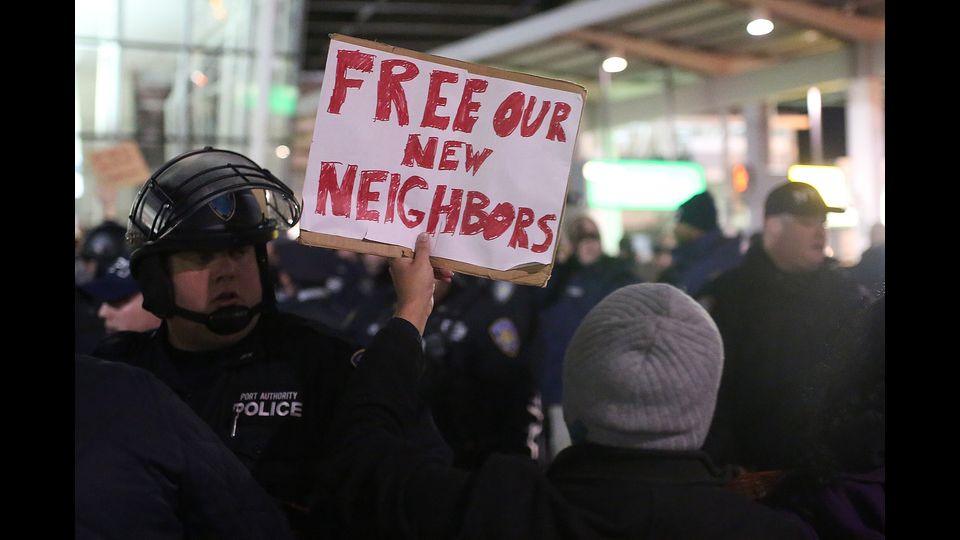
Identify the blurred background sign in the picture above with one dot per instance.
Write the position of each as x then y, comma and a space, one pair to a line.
642, 184
119, 165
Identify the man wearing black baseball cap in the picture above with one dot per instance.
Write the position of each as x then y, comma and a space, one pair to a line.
794, 232
121, 307
778, 313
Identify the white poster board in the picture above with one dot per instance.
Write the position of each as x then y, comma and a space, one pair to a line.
406, 142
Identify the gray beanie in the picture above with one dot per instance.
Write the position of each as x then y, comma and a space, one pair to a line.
643, 370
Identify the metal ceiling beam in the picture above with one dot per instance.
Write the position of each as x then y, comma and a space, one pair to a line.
542, 27
723, 92
505, 11
539, 56
656, 51
677, 14
843, 25
414, 44
702, 29
400, 28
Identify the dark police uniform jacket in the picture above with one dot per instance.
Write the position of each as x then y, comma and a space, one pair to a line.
480, 381
480, 378
269, 397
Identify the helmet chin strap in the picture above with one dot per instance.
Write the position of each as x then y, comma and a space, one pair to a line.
224, 321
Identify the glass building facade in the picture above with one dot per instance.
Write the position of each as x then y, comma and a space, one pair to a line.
179, 75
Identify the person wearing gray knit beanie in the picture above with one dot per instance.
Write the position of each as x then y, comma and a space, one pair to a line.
641, 376
643, 370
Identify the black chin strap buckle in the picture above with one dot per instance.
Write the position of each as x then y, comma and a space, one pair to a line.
229, 320
224, 321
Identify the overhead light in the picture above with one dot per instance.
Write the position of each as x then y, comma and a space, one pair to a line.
219, 10
760, 23
614, 64
814, 99
282, 151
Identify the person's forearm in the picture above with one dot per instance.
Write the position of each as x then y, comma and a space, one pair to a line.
384, 485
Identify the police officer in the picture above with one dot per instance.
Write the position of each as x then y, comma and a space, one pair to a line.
376, 298
303, 272
479, 379
265, 381
101, 247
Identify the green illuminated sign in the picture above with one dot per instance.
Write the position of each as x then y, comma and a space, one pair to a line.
282, 100
631, 184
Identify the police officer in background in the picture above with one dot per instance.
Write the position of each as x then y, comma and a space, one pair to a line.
121, 305
101, 247
303, 272
375, 301
266, 382
479, 378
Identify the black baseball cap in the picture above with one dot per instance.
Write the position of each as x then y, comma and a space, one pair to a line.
797, 198
114, 283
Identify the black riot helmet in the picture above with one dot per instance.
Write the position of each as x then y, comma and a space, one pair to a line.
206, 199
104, 243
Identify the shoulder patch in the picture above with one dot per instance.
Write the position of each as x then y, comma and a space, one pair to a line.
504, 333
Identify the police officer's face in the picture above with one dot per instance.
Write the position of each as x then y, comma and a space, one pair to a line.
205, 281
127, 315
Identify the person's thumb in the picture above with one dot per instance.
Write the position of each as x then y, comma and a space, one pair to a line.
421, 251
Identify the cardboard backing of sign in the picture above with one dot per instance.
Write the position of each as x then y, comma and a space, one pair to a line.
119, 165
530, 274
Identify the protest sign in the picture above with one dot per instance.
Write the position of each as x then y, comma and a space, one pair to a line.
119, 165
406, 142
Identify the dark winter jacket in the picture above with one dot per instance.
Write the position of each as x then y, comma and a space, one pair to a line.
699, 261
269, 397
779, 330
146, 467
386, 489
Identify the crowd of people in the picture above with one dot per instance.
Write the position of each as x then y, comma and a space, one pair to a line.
273, 390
